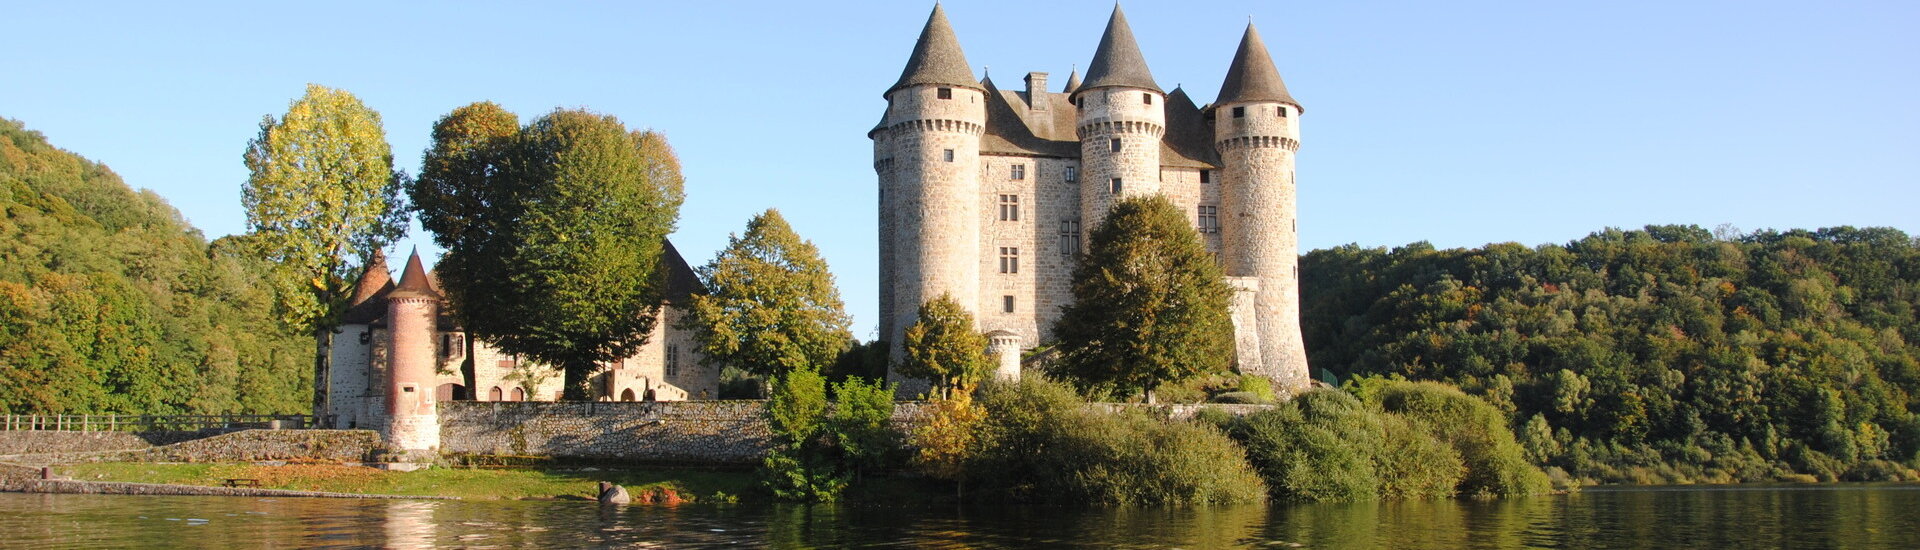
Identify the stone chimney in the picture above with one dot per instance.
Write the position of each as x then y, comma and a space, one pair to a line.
1036, 86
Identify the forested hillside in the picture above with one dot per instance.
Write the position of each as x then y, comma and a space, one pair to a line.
111, 303
1664, 354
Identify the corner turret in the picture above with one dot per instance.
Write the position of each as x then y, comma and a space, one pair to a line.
1256, 131
412, 419
1122, 116
927, 154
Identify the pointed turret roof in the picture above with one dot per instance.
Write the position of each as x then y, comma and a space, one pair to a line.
1253, 76
373, 279
1118, 61
414, 283
1073, 81
937, 58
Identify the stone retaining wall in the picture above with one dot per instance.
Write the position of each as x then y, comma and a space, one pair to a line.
243, 446
120, 488
686, 431
62, 441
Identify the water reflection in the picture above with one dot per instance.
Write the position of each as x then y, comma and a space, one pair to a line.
1694, 517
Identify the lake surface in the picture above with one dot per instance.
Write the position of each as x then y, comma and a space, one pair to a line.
1794, 516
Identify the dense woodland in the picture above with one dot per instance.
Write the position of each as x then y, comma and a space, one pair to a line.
111, 303
1664, 354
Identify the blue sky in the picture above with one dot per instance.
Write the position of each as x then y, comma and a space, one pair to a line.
1460, 123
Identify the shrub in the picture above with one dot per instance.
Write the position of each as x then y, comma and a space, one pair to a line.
1040, 442
1496, 464
862, 427
1319, 447
798, 466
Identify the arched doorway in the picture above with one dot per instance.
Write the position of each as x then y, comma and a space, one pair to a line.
650, 395
626, 394
519, 394
493, 394
449, 392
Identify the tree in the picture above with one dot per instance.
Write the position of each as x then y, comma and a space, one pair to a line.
943, 347
555, 233
948, 439
321, 198
799, 467
771, 306
1149, 304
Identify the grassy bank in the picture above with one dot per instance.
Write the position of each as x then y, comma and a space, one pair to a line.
466, 483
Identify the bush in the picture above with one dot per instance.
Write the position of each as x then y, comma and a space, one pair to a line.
1496, 464
1040, 442
798, 467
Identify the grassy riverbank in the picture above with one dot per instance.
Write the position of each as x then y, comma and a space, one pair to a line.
465, 483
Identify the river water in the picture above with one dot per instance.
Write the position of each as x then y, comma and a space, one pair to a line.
1792, 516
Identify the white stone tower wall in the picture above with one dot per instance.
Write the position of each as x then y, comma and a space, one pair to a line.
1259, 230
413, 421
1125, 114
937, 219
883, 166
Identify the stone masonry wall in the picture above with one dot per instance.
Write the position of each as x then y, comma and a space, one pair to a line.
691, 431
243, 446
65, 441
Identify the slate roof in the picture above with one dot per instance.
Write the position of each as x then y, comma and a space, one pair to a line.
414, 283
936, 58
1015, 129
371, 309
1073, 82
1118, 61
1252, 77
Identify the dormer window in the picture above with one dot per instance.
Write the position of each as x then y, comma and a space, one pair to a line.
946, 93
1239, 112
1146, 97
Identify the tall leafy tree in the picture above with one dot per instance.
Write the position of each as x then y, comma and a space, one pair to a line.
1149, 304
771, 305
556, 233
322, 195
943, 347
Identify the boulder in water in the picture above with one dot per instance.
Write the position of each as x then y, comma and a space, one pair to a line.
614, 494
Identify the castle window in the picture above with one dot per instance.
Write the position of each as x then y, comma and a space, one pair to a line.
1006, 304
494, 394
1209, 219
946, 93
1239, 112
1073, 174
1146, 97
673, 360
1115, 144
519, 394
1206, 176
1114, 186
1009, 259
949, 155
1009, 208
1019, 171
1283, 111
1069, 237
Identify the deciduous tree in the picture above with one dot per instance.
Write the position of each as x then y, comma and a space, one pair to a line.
943, 347
321, 197
771, 305
1149, 304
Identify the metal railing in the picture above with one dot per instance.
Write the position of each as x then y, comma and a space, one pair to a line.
151, 423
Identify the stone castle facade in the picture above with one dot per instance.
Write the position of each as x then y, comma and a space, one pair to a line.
398, 355
987, 194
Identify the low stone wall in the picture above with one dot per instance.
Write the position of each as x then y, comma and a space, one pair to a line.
62, 441
243, 446
684, 431
1184, 411
64, 486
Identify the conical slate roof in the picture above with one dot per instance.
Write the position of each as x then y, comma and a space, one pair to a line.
373, 280
1073, 81
1118, 61
1252, 76
414, 283
937, 58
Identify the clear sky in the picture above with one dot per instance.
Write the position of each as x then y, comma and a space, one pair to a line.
1459, 123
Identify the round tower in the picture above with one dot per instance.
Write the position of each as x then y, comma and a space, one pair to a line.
412, 420
929, 164
1121, 118
1256, 130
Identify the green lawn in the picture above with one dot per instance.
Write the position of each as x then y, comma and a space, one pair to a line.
466, 483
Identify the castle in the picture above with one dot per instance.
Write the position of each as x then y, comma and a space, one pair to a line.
985, 194
397, 354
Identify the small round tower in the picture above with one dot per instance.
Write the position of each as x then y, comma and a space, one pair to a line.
928, 156
1256, 130
1121, 117
412, 419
